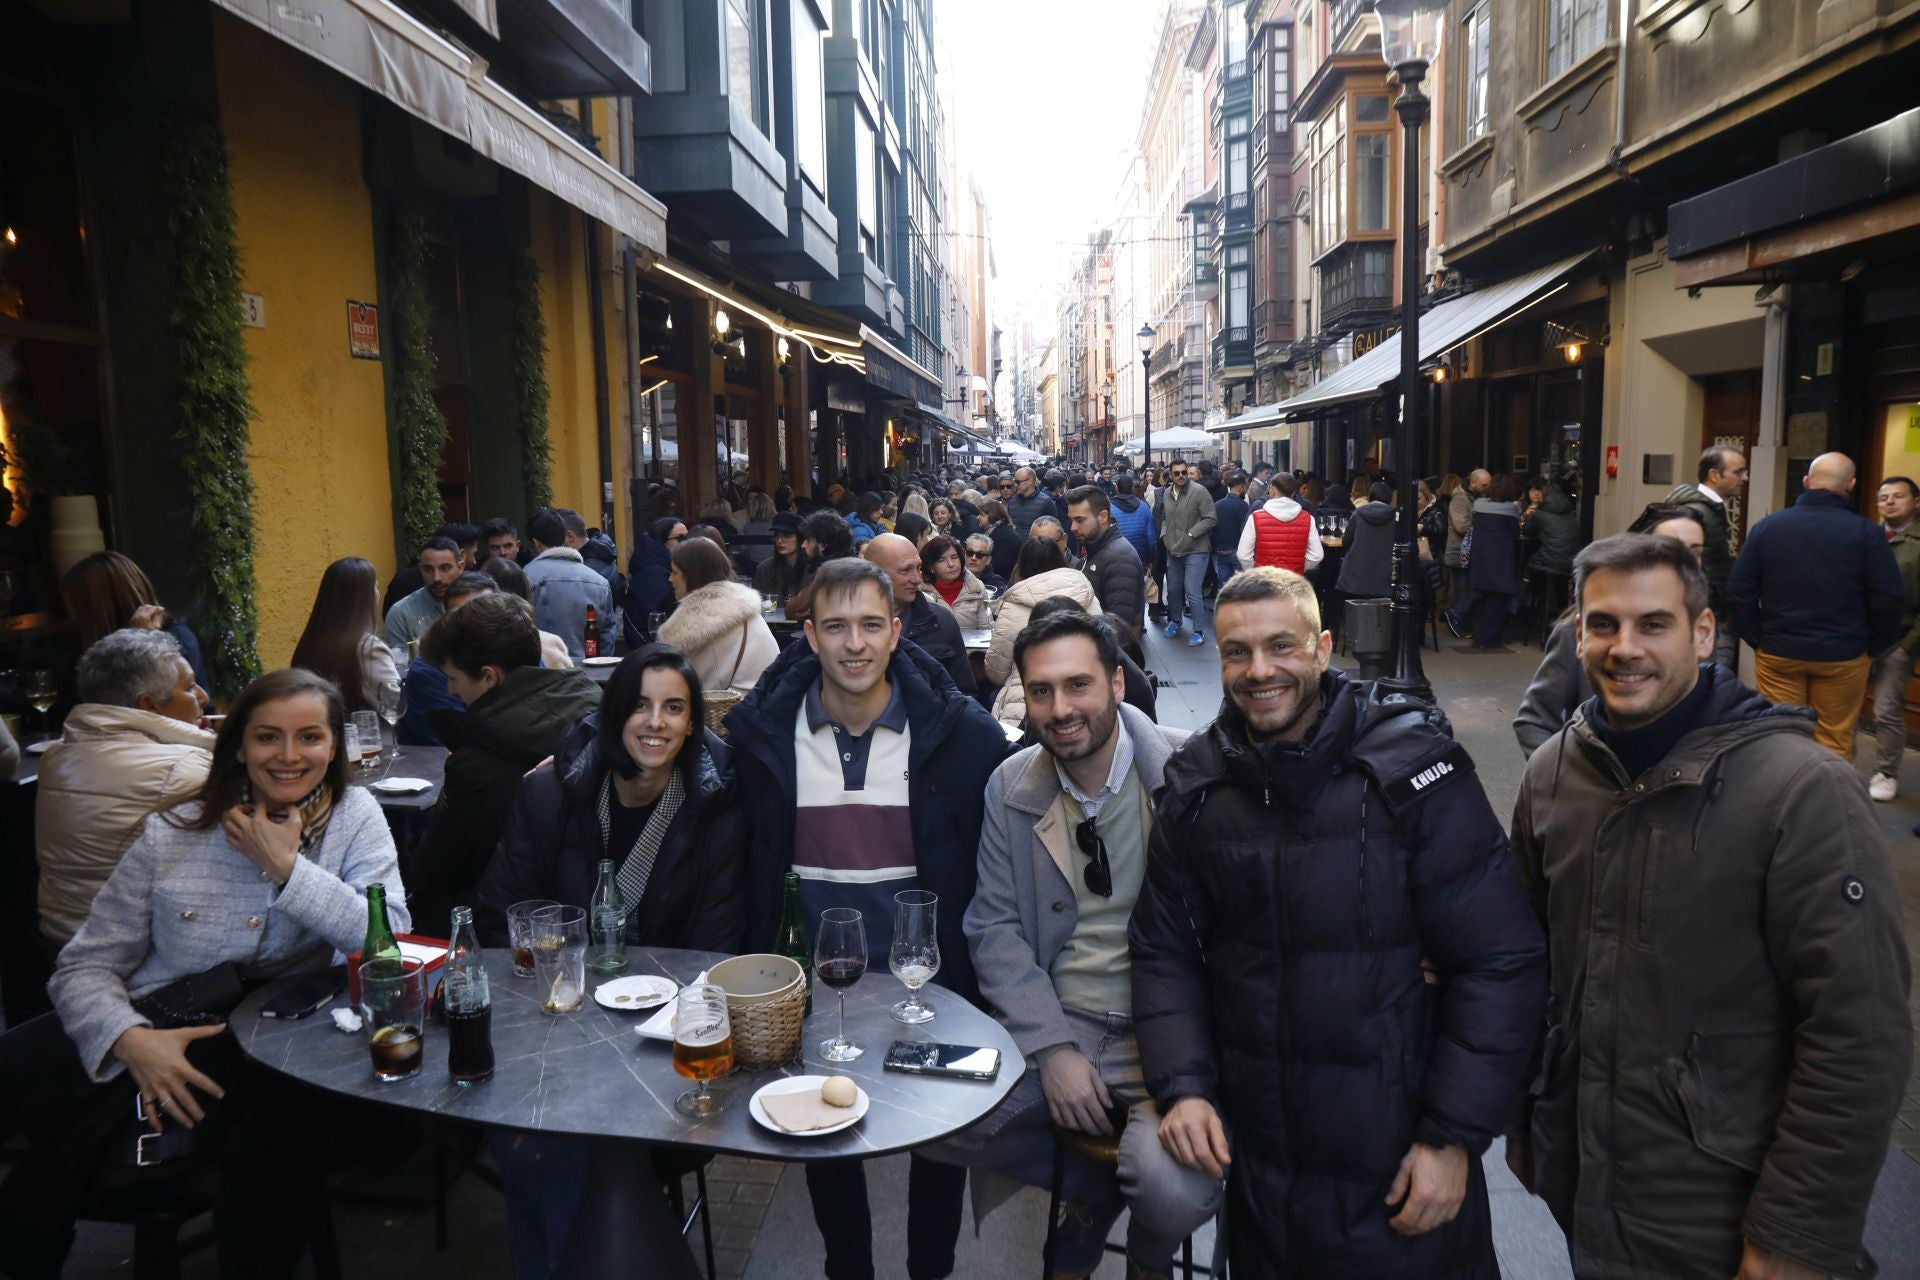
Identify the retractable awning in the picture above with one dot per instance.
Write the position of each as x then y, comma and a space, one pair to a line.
891, 369
379, 46
1441, 330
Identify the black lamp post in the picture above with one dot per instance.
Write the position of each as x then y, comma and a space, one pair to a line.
1146, 398
1409, 39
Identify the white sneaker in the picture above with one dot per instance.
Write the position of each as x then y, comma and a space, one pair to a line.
1883, 787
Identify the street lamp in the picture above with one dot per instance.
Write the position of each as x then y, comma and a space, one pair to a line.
1146, 398
1409, 40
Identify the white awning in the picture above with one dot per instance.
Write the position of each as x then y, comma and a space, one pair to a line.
1169, 440
380, 47
1259, 415
1441, 330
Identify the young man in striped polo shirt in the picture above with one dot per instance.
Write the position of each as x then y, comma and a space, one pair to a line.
864, 770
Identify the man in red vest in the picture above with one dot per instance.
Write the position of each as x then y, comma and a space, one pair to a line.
1280, 533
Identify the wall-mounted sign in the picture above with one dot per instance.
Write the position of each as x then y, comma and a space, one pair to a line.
363, 330
1365, 342
253, 311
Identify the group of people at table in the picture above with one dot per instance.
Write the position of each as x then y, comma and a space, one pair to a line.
1286, 962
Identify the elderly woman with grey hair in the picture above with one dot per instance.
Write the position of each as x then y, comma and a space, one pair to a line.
131, 747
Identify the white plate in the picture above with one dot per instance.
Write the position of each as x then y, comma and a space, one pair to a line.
644, 992
401, 786
800, 1084
604, 660
35, 748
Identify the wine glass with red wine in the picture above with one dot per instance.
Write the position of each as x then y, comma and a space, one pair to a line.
839, 958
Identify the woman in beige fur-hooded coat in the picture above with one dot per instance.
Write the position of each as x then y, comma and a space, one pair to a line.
717, 623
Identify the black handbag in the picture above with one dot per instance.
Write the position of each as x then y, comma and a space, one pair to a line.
198, 1000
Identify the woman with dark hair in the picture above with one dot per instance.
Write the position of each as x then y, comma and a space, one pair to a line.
641, 782
343, 640
260, 875
717, 623
106, 591
914, 527
648, 591
866, 518
943, 567
1493, 568
1006, 539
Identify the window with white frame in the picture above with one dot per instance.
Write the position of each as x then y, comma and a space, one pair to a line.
1477, 39
1575, 28
1239, 285
1373, 181
867, 187
1330, 179
1281, 75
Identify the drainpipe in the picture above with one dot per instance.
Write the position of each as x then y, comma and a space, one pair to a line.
1614, 161
597, 327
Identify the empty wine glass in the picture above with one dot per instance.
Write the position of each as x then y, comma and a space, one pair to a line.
840, 957
390, 699
915, 954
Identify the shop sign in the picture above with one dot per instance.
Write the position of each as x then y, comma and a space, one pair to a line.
1365, 342
363, 330
1913, 429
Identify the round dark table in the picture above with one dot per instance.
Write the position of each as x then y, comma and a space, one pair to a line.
590, 1075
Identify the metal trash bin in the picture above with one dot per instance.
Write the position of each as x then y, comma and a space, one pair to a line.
1369, 634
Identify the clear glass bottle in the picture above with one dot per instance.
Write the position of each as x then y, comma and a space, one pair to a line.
469, 1004
607, 921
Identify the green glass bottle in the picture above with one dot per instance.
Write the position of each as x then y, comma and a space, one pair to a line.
792, 941
379, 944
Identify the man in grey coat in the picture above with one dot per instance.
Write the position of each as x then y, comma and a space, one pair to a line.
1112, 565
565, 587
1062, 856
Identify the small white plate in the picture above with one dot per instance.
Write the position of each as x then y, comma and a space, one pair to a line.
401, 786
800, 1084
35, 748
604, 660
660, 1025
636, 993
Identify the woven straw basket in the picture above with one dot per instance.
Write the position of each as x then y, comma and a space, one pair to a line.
766, 1001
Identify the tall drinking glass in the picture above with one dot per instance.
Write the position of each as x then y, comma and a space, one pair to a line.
520, 933
914, 956
390, 700
702, 1045
393, 999
840, 957
560, 957
367, 724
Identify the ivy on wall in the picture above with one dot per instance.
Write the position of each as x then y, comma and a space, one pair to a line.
212, 409
529, 374
418, 424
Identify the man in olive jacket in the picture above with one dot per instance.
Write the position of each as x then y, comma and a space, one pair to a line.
1187, 518
1729, 1038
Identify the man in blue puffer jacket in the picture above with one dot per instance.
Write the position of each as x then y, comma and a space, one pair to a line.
1333, 955
1133, 517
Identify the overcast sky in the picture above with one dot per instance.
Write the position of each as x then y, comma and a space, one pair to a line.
1046, 96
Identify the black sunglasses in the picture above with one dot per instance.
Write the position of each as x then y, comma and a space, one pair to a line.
978, 555
1098, 873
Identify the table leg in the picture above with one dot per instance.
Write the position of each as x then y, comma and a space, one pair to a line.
625, 1228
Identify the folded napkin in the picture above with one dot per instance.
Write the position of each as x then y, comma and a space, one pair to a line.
799, 1112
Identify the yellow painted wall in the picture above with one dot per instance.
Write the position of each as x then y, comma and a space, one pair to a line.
1897, 459
322, 488
559, 247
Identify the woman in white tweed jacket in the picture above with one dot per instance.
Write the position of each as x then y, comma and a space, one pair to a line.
256, 885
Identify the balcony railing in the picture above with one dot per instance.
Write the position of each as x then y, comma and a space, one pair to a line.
1237, 69
1356, 286
1237, 211
1233, 348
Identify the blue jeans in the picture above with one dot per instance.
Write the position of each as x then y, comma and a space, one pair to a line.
1185, 574
1225, 565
